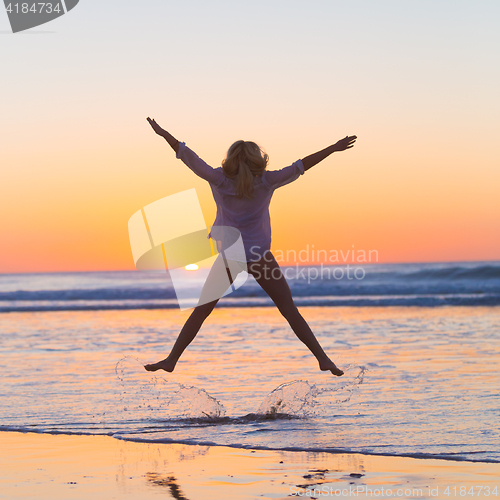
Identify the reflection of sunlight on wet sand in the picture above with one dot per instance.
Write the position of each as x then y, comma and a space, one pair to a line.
82, 467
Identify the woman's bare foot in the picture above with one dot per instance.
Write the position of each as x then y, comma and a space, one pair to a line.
330, 365
166, 365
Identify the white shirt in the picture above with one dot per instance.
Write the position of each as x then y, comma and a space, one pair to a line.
249, 216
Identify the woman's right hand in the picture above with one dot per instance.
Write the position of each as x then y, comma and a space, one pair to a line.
156, 127
174, 143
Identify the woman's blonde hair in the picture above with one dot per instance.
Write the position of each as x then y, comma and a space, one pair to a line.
244, 160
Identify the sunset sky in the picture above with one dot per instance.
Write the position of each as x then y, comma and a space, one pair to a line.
417, 81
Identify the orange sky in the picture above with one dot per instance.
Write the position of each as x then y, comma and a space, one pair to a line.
78, 157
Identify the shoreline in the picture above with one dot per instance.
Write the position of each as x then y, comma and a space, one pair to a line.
264, 303
60, 466
291, 449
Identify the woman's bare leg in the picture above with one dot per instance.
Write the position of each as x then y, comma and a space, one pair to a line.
215, 286
268, 275
188, 333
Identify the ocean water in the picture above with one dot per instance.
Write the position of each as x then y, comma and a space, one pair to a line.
419, 343
466, 283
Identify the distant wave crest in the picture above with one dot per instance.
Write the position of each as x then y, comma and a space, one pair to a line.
382, 285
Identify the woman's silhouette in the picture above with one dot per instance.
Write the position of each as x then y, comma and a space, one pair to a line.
242, 190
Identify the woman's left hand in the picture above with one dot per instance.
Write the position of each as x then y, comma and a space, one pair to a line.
346, 143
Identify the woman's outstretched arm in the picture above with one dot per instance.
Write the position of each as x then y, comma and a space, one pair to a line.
168, 137
189, 157
346, 143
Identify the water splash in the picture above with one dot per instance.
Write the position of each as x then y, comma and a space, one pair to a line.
292, 398
167, 399
346, 388
138, 393
299, 398
192, 402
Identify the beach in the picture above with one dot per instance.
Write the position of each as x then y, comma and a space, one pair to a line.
40, 467
417, 406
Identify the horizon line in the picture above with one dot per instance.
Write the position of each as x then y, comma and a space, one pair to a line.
281, 265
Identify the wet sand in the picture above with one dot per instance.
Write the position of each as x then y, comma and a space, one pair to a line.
43, 466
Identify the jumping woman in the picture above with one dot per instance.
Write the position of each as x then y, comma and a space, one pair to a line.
242, 190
